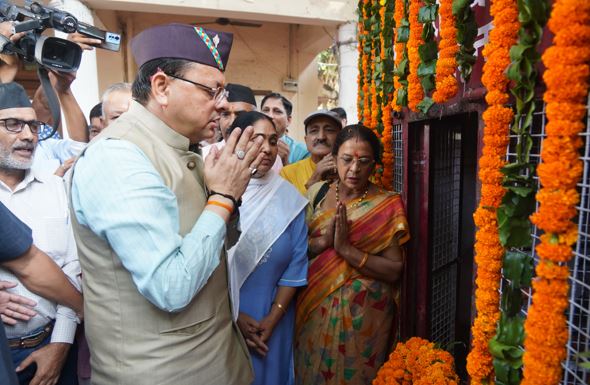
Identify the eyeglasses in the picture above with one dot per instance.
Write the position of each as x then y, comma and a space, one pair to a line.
16, 126
361, 162
217, 94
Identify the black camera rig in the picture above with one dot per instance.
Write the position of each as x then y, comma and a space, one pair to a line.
51, 52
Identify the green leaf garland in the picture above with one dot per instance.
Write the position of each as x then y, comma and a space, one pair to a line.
466, 35
518, 204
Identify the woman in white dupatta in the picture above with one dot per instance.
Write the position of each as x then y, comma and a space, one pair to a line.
269, 262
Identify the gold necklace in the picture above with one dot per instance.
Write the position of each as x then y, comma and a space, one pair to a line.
362, 198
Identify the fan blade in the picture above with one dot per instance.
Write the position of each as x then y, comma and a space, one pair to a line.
226, 21
245, 24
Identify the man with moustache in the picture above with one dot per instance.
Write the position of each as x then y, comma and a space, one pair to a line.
151, 221
41, 346
321, 128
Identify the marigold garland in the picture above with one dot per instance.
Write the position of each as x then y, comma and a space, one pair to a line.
415, 91
417, 362
387, 159
375, 53
388, 156
368, 72
568, 80
361, 62
446, 82
488, 250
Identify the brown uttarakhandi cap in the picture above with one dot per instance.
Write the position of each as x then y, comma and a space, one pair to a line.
13, 95
183, 41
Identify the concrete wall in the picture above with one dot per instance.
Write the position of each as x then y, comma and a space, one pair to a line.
261, 57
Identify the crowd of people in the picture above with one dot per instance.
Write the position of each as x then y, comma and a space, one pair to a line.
181, 236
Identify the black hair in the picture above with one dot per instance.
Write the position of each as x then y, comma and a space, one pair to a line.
142, 85
248, 118
340, 112
286, 103
96, 111
361, 132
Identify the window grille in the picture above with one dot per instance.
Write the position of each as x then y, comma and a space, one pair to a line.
445, 181
398, 153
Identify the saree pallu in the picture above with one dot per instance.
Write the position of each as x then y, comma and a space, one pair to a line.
345, 320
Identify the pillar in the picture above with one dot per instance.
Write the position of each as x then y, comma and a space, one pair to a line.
348, 70
85, 87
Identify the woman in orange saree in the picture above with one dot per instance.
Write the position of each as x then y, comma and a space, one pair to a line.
346, 315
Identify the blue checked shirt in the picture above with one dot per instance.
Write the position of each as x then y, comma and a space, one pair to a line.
119, 195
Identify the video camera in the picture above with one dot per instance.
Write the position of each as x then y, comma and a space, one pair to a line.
50, 52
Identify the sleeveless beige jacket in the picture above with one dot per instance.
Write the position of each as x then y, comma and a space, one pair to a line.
132, 342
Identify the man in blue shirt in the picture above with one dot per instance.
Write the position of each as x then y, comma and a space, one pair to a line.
279, 109
152, 218
35, 270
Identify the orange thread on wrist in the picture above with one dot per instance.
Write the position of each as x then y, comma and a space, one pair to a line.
222, 205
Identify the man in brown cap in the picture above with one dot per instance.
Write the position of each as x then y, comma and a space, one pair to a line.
151, 221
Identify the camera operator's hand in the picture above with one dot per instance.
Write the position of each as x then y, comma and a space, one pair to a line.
7, 29
10, 63
61, 81
225, 172
83, 41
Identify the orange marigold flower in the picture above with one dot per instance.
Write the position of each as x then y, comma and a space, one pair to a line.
417, 362
554, 252
554, 54
558, 122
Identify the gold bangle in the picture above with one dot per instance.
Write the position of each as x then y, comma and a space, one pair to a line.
281, 307
221, 204
363, 261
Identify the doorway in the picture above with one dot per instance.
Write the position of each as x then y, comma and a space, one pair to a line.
442, 184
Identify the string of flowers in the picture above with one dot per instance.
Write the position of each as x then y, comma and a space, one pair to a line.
400, 74
415, 91
446, 82
362, 60
567, 78
388, 157
488, 250
367, 71
376, 69
518, 204
387, 28
417, 362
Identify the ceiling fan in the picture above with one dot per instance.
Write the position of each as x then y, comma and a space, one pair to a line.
237, 23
